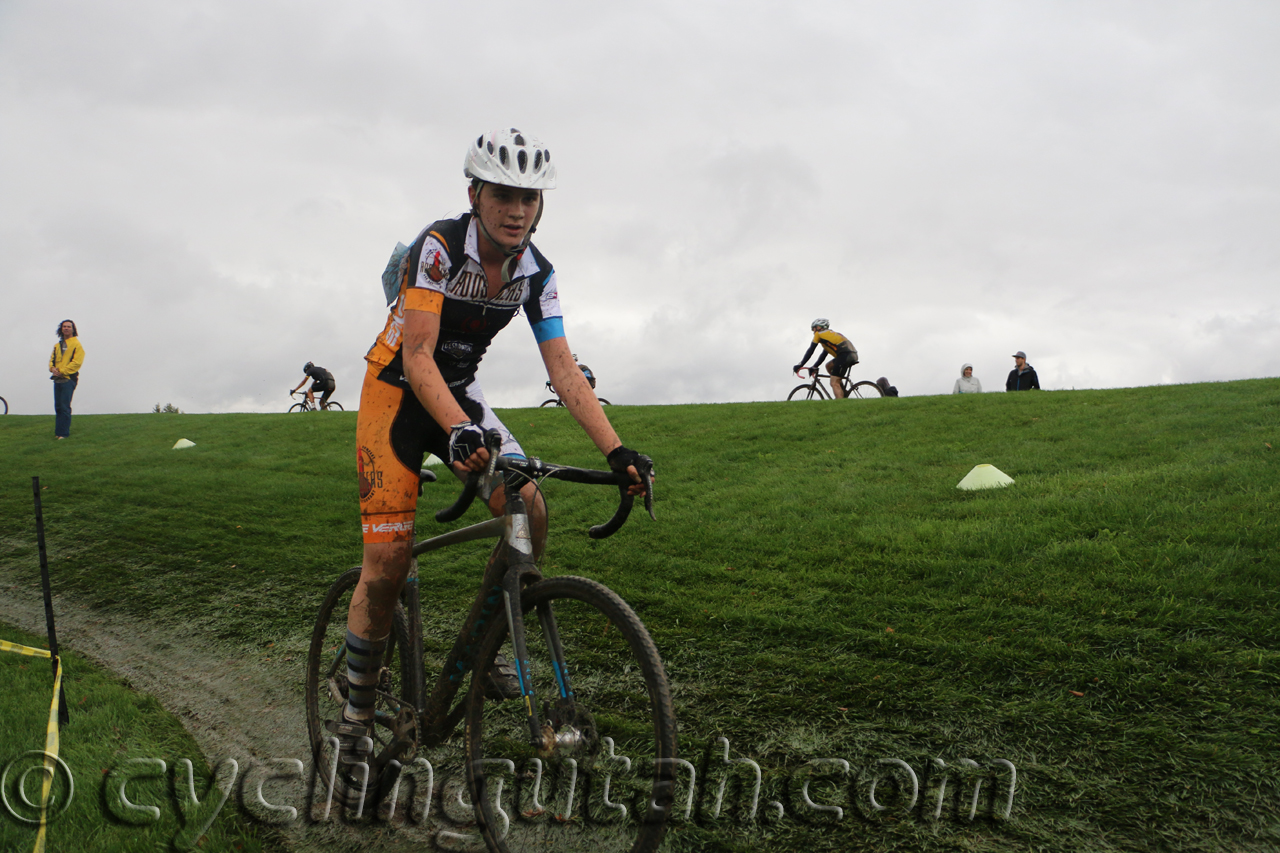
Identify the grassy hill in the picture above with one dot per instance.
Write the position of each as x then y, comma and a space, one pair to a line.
818, 587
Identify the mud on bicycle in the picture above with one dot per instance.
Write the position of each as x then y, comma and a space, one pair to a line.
584, 759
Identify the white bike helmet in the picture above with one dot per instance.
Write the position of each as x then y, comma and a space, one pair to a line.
820, 325
511, 158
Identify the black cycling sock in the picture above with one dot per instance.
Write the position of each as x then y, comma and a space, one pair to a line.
364, 663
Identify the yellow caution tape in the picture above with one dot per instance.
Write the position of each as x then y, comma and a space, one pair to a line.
50, 753
6, 646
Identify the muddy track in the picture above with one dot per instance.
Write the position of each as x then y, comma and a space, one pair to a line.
249, 708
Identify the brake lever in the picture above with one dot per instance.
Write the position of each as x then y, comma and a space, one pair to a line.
646, 475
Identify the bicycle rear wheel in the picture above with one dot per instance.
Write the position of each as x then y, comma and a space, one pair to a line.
865, 390
333, 406
606, 781
399, 687
806, 392
4, 404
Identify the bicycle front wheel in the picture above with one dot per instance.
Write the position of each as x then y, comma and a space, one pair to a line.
603, 776
298, 407
806, 392
553, 402
865, 390
399, 684
333, 406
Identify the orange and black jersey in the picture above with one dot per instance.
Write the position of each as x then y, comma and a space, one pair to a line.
444, 276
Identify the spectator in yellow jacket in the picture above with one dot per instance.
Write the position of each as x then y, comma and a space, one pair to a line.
64, 370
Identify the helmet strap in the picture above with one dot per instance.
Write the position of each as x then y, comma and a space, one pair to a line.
512, 255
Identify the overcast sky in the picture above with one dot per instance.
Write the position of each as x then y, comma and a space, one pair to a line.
211, 189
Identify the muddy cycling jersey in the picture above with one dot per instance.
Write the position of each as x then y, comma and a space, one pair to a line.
444, 276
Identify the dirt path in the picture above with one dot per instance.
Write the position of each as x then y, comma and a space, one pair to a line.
246, 708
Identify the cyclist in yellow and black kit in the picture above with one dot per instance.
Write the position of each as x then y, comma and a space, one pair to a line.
842, 351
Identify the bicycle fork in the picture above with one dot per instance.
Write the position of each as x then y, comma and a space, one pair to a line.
542, 735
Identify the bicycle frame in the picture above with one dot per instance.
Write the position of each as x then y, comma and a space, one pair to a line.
510, 567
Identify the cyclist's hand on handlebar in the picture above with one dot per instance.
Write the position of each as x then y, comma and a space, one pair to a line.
626, 461
466, 447
797, 368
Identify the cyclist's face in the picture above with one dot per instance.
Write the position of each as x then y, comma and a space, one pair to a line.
67, 330
507, 212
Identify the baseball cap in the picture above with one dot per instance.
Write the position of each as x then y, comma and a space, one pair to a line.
1019, 354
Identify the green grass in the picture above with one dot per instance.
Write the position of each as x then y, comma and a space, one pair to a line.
109, 725
816, 584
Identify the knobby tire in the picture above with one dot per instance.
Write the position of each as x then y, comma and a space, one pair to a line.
582, 796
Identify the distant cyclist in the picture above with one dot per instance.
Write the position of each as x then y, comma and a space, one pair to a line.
841, 349
321, 380
466, 278
586, 371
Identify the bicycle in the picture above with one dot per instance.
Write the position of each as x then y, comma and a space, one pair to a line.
305, 405
814, 388
556, 401
586, 760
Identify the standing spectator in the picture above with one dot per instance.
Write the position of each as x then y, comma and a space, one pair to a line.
967, 383
321, 380
1023, 376
64, 370
889, 390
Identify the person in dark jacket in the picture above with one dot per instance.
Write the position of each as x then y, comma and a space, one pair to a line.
1023, 376
886, 388
321, 380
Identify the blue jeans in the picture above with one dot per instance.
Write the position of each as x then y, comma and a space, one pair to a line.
62, 392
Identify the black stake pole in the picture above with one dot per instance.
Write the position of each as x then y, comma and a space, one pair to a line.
63, 716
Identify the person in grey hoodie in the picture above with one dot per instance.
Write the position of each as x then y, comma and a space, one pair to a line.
967, 383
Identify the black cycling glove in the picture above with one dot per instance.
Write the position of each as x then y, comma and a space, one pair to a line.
464, 440
620, 457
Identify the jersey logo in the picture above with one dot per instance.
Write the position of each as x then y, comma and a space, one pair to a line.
434, 271
370, 476
458, 349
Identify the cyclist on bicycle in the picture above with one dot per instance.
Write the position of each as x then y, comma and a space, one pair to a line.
586, 371
321, 380
841, 349
465, 280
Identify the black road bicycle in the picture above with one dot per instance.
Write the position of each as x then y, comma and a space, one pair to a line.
305, 405
556, 401
816, 389
584, 760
